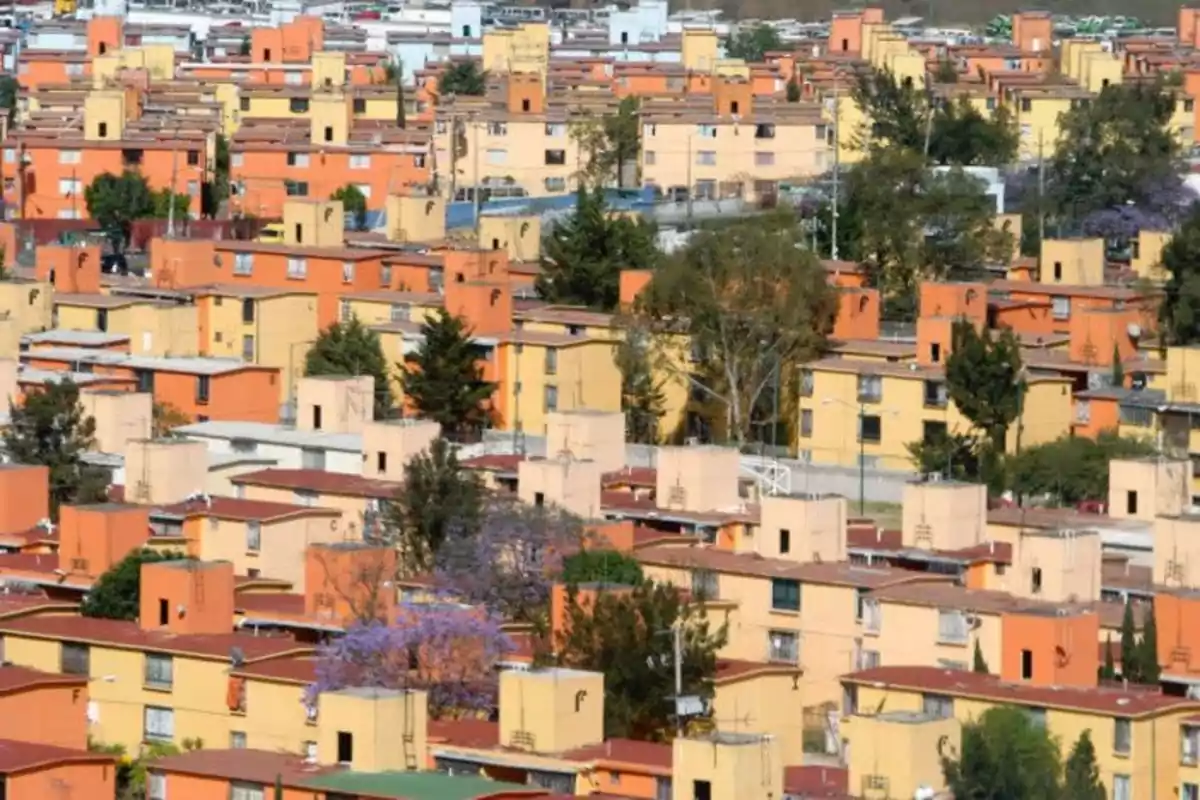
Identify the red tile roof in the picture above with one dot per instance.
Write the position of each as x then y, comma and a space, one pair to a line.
235, 508
301, 669
869, 537
497, 462
477, 733
259, 603
16, 756
753, 564
1113, 702
729, 669
252, 766
816, 781
654, 757
321, 482
631, 476
18, 679
626, 504
128, 635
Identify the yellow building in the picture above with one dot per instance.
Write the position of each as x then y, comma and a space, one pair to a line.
1038, 110
27, 307
545, 372
260, 325
154, 327
1137, 734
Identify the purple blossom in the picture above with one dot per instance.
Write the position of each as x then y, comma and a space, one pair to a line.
449, 650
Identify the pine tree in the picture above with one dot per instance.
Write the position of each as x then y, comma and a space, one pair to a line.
1129, 647
444, 380
50, 429
642, 397
980, 665
1118, 369
1108, 672
1148, 649
351, 348
793, 89
1081, 779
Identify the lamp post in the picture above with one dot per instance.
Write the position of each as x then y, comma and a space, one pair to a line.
861, 409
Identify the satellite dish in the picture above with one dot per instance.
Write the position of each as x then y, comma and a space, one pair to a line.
1134, 330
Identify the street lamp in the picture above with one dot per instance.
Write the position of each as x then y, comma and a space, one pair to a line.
861, 409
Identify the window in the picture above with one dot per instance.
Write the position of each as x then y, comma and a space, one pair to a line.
1122, 736
74, 659
247, 312
1189, 742
1035, 580
193, 158
497, 129
159, 724
310, 752
870, 429
1026, 665
496, 157
156, 786
385, 276
1188, 105
297, 267
145, 380
253, 536
952, 627
360, 162
1060, 307
935, 394
159, 671
244, 104
240, 790
870, 388
556, 184
303, 497
296, 188
550, 400
345, 747
785, 594
936, 705
551, 361
102, 130
69, 187
236, 159
706, 190
783, 646
764, 131
706, 158
1131, 502
1122, 790
202, 387
935, 352
64, 156
785, 541
706, 131
243, 263
556, 158
1191, 791
381, 462
1026, 104
101, 319
556, 129
705, 584
764, 159
806, 383
298, 105
360, 105
237, 740
649, 129
297, 159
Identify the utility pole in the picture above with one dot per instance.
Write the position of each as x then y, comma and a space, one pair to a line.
171, 193
837, 151
677, 663
478, 182
1041, 189
690, 188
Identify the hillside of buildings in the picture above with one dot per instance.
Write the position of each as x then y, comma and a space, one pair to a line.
474, 402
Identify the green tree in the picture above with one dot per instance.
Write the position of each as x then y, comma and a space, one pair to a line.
954, 456
582, 256
464, 78
793, 89
50, 429
962, 136
601, 566
1071, 469
979, 665
991, 745
244, 49
8, 95
162, 200
1108, 672
1148, 664
437, 498
216, 191
1118, 368
620, 635
1081, 778
115, 201
1130, 663
642, 397
1116, 151
984, 380
165, 418
351, 348
611, 142
354, 202
117, 593
1179, 311
444, 379
895, 113
750, 299
946, 72
751, 44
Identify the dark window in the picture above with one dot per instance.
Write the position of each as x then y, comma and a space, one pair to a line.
102, 49
245, 103
785, 540
202, 389
539, 499
102, 130
785, 594
164, 611
360, 105
556, 158
101, 319
466, 31
75, 659
1131, 502
624, 37
733, 107
193, 158
1026, 664
145, 381
525, 104
131, 157
329, 133
345, 747
316, 418
701, 790
870, 429
381, 462
298, 105
266, 54
1058, 270
247, 311
845, 45
296, 188
935, 352
1035, 580
932, 430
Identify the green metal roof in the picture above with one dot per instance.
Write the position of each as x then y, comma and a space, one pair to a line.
412, 785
